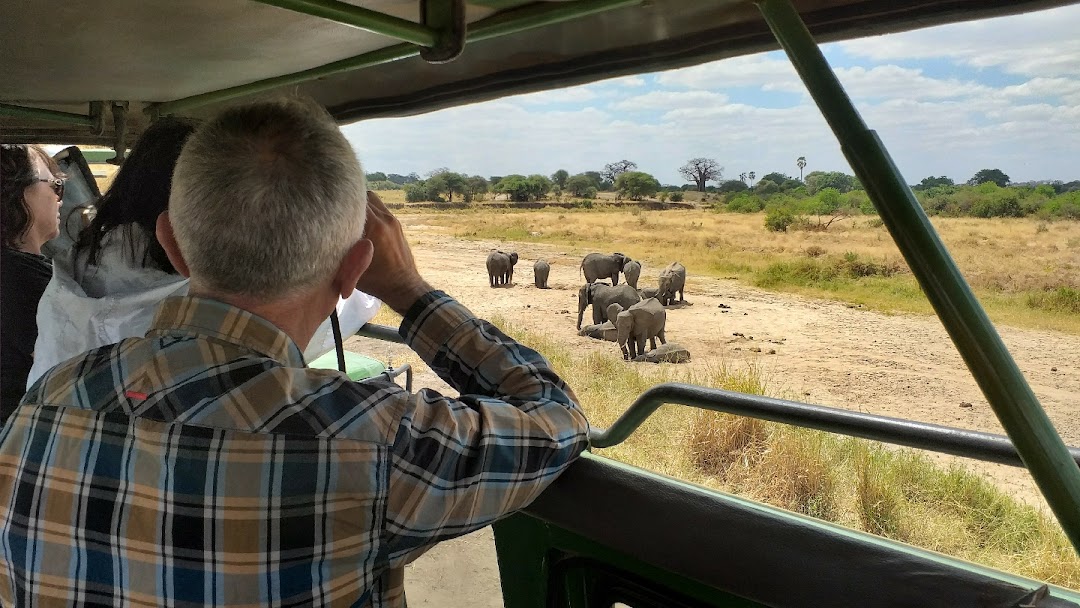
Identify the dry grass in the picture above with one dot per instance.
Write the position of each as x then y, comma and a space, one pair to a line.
895, 493
1018, 267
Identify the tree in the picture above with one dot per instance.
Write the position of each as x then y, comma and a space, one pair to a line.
733, 185
766, 186
827, 205
996, 176
742, 176
538, 186
702, 170
612, 171
636, 185
801, 164
447, 181
515, 187
819, 180
776, 177
933, 182
377, 176
751, 176
560, 177
579, 184
475, 188
598, 180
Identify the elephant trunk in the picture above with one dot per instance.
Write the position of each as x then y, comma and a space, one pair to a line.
623, 324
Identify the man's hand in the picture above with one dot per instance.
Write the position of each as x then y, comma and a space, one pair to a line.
392, 276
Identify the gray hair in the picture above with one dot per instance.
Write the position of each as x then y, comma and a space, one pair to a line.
266, 199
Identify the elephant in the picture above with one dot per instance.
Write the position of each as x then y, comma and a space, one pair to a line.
632, 270
541, 269
604, 331
601, 295
649, 292
601, 266
667, 353
672, 279
643, 322
500, 267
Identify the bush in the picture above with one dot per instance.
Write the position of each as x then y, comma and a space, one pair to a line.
676, 197
778, 219
745, 204
590, 193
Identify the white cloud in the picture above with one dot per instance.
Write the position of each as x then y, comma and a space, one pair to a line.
1042, 43
891, 81
765, 72
667, 100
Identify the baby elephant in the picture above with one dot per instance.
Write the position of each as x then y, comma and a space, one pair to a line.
672, 279
541, 269
641, 322
500, 267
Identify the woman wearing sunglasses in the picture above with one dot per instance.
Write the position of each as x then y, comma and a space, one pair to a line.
31, 188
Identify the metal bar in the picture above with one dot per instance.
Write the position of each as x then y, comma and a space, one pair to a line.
898, 431
981, 347
362, 18
501, 24
380, 332
14, 111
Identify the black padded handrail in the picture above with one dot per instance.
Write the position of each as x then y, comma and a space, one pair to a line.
948, 440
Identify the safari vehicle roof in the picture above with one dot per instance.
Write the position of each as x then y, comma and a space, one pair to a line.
63, 56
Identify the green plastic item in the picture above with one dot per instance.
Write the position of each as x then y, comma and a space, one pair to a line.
357, 366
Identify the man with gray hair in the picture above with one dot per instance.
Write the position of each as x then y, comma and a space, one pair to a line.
206, 465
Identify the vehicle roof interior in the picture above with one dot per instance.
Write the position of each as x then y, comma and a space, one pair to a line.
142, 52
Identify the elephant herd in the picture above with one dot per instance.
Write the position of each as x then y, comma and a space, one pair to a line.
624, 314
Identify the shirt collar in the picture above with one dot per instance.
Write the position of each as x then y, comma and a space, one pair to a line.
206, 317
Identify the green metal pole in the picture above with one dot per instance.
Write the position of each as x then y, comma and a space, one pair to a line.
14, 111
1012, 400
362, 18
501, 24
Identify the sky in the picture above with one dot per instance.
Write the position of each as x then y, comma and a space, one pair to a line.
949, 100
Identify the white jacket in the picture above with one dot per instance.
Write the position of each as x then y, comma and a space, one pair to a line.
117, 299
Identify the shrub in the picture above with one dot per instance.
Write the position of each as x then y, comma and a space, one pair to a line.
814, 251
676, 197
745, 204
590, 193
778, 219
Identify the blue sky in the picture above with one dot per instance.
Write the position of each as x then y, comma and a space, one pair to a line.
999, 93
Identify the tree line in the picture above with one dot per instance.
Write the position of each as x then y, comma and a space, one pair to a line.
988, 193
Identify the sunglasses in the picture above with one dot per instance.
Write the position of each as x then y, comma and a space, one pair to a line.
56, 184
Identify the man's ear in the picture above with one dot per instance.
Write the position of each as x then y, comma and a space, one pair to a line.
355, 263
165, 236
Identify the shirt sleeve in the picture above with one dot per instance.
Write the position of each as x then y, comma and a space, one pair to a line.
459, 464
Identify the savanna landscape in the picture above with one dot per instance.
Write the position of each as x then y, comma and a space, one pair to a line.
823, 315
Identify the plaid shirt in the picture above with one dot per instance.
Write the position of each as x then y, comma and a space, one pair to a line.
205, 465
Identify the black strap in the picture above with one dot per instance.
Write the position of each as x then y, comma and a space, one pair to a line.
335, 325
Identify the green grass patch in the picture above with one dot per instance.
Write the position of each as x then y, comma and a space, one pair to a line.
896, 493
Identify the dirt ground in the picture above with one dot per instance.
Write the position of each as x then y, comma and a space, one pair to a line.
825, 352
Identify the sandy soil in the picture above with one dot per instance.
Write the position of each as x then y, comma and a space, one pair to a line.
825, 352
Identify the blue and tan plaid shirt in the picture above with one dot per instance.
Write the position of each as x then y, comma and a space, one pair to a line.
204, 465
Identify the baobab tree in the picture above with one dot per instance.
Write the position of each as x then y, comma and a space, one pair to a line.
801, 162
701, 170
612, 171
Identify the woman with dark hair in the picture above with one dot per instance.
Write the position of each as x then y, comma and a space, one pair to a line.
31, 188
108, 287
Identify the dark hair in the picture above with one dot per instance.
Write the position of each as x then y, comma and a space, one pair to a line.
139, 193
17, 173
